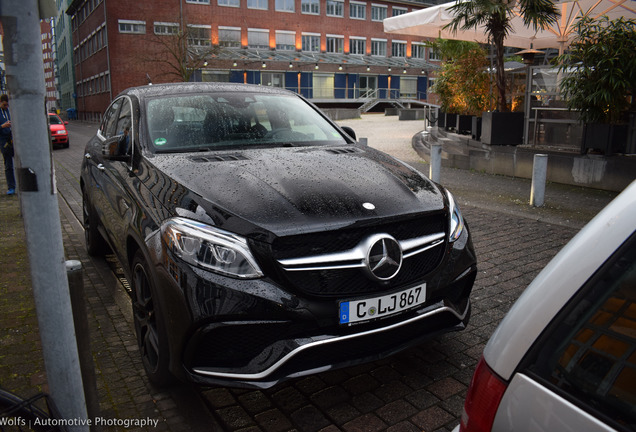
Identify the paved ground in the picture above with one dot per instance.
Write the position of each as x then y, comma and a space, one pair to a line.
421, 389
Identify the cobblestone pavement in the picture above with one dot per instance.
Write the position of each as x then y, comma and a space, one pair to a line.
421, 389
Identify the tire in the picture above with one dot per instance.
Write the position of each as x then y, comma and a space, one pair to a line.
95, 243
149, 324
23, 413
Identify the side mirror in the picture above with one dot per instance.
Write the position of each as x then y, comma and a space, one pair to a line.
65, 122
350, 132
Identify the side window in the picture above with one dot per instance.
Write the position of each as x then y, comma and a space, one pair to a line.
109, 122
589, 353
124, 119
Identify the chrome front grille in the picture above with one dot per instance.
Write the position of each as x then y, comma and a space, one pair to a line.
355, 258
333, 264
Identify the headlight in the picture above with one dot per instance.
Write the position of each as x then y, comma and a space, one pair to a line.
210, 248
61, 132
456, 219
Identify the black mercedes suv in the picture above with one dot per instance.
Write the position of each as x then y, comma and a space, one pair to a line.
261, 241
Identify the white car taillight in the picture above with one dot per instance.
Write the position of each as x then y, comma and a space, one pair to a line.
482, 400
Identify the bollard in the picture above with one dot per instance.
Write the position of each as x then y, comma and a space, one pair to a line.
539, 176
364, 141
436, 162
78, 306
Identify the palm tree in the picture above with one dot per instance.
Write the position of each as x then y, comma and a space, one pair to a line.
495, 16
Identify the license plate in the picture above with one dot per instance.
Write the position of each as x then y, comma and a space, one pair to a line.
379, 307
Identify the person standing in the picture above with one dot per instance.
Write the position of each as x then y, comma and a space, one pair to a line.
6, 143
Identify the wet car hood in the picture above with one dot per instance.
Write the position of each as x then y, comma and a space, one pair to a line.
287, 190
56, 127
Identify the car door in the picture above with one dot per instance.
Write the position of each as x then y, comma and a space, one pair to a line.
581, 373
117, 176
95, 161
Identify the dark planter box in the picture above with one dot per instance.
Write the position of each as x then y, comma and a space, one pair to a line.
411, 114
464, 124
606, 138
476, 128
451, 121
441, 119
502, 128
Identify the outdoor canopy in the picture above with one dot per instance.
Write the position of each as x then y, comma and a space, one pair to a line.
429, 23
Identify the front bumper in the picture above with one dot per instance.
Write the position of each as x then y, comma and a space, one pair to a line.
256, 333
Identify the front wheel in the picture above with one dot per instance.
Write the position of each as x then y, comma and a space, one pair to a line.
149, 325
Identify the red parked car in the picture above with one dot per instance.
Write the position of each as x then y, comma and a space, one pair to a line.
59, 134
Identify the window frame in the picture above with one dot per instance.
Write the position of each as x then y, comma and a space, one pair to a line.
335, 5
136, 26
312, 38
358, 7
376, 8
379, 43
310, 5
229, 43
284, 6
355, 40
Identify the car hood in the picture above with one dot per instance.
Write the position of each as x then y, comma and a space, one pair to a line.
291, 190
56, 127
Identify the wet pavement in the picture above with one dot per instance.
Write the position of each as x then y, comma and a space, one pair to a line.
421, 389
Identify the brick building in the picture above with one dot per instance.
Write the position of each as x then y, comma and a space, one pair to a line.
331, 51
48, 57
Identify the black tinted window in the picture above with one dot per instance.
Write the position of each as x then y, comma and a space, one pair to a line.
589, 353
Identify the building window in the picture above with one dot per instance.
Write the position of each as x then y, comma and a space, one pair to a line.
257, 4
408, 88
258, 38
378, 47
357, 10
357, 46
273, 79
311, 42
310, 7
230, 37
378, 12
285, 40
335, 8
335, 44
215, 76
199, 35
285, 6
418, 50
433, 55
398, 49
198, 1
399, 11
127, 26
162, 28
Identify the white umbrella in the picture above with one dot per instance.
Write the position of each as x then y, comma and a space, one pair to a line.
429, 23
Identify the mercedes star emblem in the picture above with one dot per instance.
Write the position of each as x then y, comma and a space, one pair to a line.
384, 258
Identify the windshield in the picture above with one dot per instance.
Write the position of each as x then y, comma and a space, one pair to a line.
235, 120
53, 119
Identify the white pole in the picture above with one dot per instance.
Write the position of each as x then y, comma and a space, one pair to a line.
436, 162
539, 176
39, 201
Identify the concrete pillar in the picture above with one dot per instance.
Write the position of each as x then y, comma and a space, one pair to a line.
539, 176
436, 162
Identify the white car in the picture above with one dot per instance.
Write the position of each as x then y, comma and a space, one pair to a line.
564, 357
